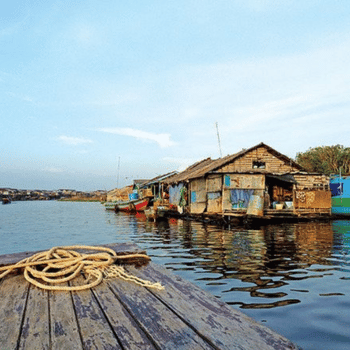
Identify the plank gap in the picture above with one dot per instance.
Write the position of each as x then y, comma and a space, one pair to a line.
23, 316
76, 316
184, 320
135, 319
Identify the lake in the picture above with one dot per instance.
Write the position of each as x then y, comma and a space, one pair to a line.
293, 278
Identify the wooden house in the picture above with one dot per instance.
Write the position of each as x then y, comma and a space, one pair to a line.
154, 187
258, 181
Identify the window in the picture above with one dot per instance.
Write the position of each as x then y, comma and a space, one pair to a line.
259, 165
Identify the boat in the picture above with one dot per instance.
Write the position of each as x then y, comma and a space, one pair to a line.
109, 205
151, 214
159, 212
340, 188
6, 200
132, 205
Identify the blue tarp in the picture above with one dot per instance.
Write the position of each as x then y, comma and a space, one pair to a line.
227, 180
214, 195
336, 188
175, 194
193, 197
240, 198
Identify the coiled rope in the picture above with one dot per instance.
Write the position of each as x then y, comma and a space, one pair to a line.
62, 264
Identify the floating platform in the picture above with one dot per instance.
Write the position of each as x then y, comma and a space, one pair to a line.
118, 314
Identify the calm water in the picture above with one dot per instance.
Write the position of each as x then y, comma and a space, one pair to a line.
293, 278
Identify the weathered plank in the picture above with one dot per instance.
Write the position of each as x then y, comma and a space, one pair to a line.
129, 333
162, 325
35, 332
63, 322
214, 320
13, 296
123, 248
95, 331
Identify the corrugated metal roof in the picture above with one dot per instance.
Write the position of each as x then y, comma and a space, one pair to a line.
157, 179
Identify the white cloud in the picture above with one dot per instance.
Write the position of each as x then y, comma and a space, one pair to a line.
163, 140
69, 140
54, 170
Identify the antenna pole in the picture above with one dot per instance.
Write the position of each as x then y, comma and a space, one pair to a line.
118, 172
217, 131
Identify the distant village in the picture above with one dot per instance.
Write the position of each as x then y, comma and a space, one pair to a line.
30, 195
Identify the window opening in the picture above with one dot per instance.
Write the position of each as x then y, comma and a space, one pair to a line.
259, 165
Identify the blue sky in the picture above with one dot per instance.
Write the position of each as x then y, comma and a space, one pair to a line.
85, 85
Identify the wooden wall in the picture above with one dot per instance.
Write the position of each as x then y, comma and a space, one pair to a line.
240, 181
312, 199
198, 196
311, 181
214, 193
261, 154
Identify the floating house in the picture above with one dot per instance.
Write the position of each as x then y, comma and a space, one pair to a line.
119, 194
154, 187
256, 182
340, 187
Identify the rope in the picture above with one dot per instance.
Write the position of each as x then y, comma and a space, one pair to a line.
62, 264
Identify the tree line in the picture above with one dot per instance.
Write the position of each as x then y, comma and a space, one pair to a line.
325, 159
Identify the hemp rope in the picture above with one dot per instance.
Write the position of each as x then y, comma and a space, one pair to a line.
63, 264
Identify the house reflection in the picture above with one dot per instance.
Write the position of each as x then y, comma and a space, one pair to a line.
267, 264
268, 258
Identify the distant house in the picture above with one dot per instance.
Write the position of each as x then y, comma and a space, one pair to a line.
249, 182
119, 194
145, 188
154, 187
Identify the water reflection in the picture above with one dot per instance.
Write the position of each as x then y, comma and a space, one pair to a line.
262, 268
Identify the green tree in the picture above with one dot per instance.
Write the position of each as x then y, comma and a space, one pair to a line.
325, 159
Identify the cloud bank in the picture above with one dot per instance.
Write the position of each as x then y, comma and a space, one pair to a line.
69, 140
163, 140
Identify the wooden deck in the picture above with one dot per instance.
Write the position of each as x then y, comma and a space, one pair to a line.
121, 315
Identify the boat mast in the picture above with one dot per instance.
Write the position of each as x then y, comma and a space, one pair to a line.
118, 173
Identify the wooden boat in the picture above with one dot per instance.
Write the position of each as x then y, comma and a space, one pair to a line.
6, 200
158, 213
151, 214
132, 205
109, 205
340, 188
118, 314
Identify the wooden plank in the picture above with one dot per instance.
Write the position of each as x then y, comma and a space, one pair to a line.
124, 248
35, 332
214, 320
129, 333
13, 296
163, 326
63, 322
95, 331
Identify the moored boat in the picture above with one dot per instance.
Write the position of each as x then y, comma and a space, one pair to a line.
109, 205
6, 200
159, 212
340, 188
132, 205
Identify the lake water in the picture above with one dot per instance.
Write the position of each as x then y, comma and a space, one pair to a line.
293, 278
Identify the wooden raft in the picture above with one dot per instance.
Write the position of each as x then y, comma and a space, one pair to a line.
121, 315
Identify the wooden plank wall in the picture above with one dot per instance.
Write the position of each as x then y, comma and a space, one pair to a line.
214, 187
261, 154
198, 186
312, 199
311, 181
241, 181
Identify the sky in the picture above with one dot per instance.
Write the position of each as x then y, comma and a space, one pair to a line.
97, 93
